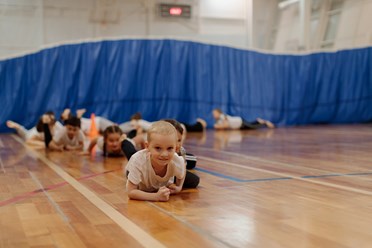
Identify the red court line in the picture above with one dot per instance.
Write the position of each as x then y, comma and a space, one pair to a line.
51, 187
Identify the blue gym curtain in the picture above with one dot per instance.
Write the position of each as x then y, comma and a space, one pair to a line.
185, 80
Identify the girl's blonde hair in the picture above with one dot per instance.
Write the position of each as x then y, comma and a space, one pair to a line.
163, 128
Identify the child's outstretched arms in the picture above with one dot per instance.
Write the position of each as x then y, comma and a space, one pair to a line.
75, 148
55, 147
136, 194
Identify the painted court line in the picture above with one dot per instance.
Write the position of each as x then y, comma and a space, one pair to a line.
284, 175
359, 174
2, 165
279, 178
1, 161
192, 227
55, 205
30, 194
241, 180
329, 174
259, 159
50, 187
128, 226
324, 176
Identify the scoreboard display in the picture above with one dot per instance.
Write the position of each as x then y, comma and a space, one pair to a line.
175, 10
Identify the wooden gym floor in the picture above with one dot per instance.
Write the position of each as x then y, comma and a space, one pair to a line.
288, 187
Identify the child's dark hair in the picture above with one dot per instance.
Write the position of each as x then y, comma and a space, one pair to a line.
52, 116
40, 125
136, 116
73, 121
110, 130
176, 124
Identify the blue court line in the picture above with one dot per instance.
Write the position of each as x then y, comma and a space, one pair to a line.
241, 180
219, 175
267, 179
340, 175
326, 175
278, 178
359, 174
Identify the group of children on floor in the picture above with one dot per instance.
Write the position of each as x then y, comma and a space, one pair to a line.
158, 165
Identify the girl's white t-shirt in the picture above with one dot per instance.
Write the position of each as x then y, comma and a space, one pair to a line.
235, 122
61, 138
140, 172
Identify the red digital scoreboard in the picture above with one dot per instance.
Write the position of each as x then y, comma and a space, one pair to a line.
175, 10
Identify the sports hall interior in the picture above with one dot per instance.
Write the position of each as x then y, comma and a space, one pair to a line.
303, 65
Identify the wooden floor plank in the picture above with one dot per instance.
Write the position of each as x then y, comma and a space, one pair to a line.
289, 187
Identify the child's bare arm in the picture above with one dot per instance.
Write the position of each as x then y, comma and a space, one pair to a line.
136, 194
35, 142
177, 187
92, 144
55, 147
224, 124
75, 148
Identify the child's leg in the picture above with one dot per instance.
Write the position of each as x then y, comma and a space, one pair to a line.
21, 130
197, 127
267, 123
65, 114
252, 125
191, 181
80, 113
126, 127
128, 148
190, 161
132, 133
103, 123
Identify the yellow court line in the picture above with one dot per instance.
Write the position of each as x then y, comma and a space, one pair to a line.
128, 226
365, 192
